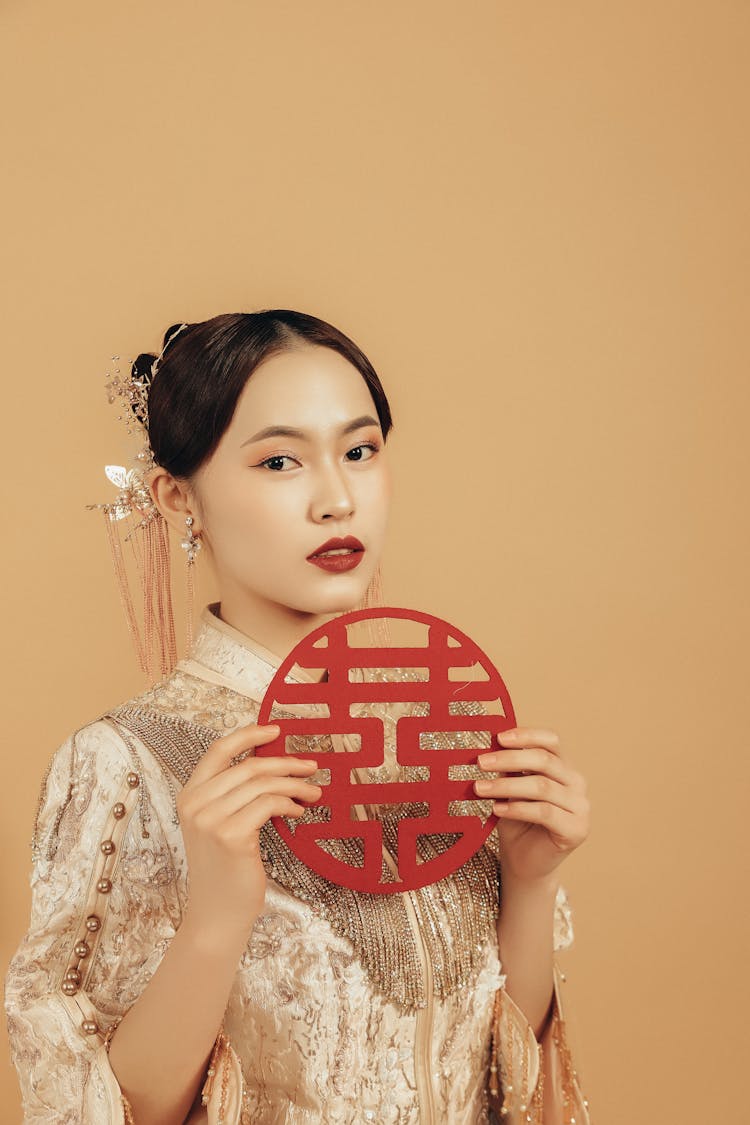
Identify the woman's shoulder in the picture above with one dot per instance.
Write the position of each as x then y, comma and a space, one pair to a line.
88, 771
191, 695
171, 724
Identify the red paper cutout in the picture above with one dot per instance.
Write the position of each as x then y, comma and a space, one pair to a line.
338, 692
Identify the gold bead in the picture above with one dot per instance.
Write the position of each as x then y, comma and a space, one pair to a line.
82, 949
90, 1027
104, 886
69, 987
133, 780
118, 810
93, 922
73, 974
107, 846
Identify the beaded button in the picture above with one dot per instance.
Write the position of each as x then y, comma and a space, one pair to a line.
104, 886
93, 922
133, 780
90, 1027
107, 846
82, 949
69, 987
118, 810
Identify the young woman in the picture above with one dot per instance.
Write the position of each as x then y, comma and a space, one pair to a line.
181, 963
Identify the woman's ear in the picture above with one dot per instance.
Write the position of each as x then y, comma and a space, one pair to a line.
173, 499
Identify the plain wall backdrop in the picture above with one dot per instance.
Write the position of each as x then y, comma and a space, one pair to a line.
533, 218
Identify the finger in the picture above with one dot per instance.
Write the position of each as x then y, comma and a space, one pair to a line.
233, 776
557, 820
253, 816
530, 736
249, 791
532, 788
220, 753
532, 760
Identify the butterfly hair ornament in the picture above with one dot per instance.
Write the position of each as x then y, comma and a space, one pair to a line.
148, 535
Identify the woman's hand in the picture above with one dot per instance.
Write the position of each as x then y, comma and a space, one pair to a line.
541, 801
222, 808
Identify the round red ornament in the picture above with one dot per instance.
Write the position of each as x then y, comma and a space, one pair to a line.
328, 647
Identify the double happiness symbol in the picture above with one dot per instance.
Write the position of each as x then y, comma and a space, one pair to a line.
328, 646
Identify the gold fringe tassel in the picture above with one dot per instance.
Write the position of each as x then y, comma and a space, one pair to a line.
189, 626
503, 1097
378, 629
155, 637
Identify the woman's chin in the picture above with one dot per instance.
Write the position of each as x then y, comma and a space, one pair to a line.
344, 604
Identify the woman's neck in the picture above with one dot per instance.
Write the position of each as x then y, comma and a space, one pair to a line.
275, 632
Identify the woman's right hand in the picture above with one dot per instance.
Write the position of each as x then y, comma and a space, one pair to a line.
222, 808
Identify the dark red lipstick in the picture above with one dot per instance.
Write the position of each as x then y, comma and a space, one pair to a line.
350, 552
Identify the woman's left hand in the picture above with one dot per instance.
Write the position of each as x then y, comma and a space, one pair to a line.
545, 813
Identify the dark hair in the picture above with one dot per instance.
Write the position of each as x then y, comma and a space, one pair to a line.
204, 368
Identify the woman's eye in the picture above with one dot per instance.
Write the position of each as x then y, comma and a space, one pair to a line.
367, 445
273, 462
276, 457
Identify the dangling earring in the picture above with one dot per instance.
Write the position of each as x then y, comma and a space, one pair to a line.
378, 628
192, 544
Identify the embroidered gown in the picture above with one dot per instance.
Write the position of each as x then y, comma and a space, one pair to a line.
345, 1008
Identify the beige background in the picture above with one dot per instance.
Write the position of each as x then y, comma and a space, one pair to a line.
533, 218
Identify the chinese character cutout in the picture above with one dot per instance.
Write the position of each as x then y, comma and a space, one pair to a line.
387, 826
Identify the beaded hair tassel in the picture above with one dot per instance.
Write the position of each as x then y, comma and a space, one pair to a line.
154, 637
151, 627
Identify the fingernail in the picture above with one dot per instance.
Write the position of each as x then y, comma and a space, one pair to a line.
485, 761
507, 736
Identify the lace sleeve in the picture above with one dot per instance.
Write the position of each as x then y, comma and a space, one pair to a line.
530, 1076
103, 907
520, 1065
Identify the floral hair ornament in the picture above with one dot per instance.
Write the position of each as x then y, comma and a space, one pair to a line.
148, 536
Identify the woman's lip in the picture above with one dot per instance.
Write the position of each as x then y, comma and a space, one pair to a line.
337, 563
336, 542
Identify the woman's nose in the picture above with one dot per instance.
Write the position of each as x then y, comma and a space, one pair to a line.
333, 497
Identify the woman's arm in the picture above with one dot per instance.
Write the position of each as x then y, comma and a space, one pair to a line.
112, 949
544, 814
525, 939
161, 1046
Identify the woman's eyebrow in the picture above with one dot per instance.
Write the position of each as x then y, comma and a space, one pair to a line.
290, 431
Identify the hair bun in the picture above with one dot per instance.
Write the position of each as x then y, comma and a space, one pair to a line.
171, 333
141, 368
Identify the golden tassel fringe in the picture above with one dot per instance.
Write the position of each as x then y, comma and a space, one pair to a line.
153, 636
504, 1098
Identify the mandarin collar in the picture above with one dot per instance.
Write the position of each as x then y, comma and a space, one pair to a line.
241, 661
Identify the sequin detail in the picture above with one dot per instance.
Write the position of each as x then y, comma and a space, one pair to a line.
459, 912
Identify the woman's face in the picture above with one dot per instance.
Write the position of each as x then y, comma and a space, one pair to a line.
268, 501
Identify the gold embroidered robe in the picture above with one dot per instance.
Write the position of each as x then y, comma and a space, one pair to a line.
345, 1008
